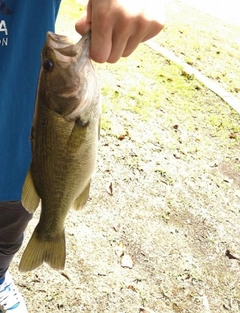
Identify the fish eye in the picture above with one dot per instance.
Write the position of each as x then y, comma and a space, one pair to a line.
48, 65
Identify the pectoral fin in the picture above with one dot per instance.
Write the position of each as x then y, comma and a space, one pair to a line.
79, 203
30, 198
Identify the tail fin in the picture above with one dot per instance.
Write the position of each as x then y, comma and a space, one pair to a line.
39, 251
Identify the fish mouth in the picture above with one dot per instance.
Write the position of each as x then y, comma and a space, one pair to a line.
69, 57
56, 41
72, 75
65, 47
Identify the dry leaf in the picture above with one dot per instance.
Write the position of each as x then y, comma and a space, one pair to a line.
145, 310
116, 227
123, 135
232, 255
66, 276
109, 188
120, 249
232, 136
126, 261
132, 287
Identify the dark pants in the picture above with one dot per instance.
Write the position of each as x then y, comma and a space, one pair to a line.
13, 221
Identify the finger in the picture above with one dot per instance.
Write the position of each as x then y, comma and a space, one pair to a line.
135, 40
155, 29
119, 44
131, 45
101, 38
126, 40
122, 32
101, 45
84, 23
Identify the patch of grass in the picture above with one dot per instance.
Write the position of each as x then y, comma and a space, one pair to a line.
152, 88
206, 47
70, 11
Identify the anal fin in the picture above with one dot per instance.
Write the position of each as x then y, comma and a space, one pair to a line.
30, 198
79, 203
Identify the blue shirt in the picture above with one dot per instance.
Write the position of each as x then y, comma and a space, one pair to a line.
23, 27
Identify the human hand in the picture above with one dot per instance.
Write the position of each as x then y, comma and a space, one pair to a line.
118, 26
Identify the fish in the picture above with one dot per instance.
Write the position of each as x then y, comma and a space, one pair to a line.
64, 142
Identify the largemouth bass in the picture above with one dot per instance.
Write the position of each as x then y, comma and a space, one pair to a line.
64, 142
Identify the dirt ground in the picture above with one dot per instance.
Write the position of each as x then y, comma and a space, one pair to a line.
160, 232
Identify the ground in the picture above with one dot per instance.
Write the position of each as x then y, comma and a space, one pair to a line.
166, 192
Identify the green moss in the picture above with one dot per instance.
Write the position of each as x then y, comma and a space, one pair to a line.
71, 10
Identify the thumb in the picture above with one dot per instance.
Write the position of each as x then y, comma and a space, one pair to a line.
83, 24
